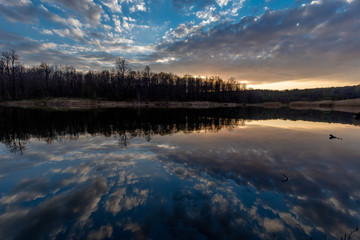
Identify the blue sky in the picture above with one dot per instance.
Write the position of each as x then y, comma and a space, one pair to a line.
266, 43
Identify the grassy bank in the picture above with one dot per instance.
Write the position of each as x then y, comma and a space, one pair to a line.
68, 103
350, 105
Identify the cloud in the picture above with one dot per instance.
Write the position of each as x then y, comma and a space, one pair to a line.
125, 200
208, 15
273, 225
87, 8
138, 7
103, 233
185, 5
117, 23
20, 11
135, 5
71, 206
47, 32
113, 5
313, 41
73, 33
128, 23
222, 3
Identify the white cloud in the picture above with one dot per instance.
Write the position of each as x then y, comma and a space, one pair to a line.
113, 5
127, 23
236, 6
166, 60
47, 32
74, 22
208, 15
222, 3
107, 27
62, 32
135, 5
316, 2
78, 33
117, 24
49, 45
182, 31
73, 33
106, 17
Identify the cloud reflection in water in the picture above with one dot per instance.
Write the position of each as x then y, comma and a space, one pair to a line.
195, 185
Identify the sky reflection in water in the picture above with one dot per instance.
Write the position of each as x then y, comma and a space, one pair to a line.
195, 185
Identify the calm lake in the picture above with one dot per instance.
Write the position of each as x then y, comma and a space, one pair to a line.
232, 173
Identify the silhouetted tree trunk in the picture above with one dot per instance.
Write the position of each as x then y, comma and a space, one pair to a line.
6, 57
46, 75
14, 61
121, 67
2, 78
21, 71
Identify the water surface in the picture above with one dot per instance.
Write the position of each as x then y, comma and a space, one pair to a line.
178, 174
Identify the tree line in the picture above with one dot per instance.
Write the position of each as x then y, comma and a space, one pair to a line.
121, 83
124, 84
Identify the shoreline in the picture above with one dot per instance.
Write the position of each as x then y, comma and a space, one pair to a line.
65, 103
348, 105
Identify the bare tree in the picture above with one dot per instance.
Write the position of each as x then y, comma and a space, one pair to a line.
46, 70
6, 59
20, 69
121, 67
15, 59
147, 75
11, 60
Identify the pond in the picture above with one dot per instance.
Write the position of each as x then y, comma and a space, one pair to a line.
231, 173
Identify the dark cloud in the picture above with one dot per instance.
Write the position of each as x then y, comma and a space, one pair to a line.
34, 52
6, 36
20, 12
52, 214
316, 40
27, 12
197, 216
96, 35
88, 9
101, 56
39, 185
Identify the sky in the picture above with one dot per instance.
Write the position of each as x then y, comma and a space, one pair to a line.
272, 44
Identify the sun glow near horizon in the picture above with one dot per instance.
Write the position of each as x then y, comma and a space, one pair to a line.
308, 84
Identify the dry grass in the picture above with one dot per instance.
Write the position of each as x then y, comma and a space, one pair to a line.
348, 105
64, 103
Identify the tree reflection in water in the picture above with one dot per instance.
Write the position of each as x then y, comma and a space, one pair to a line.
18, 126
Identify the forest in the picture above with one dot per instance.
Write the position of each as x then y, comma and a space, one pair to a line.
124, 84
